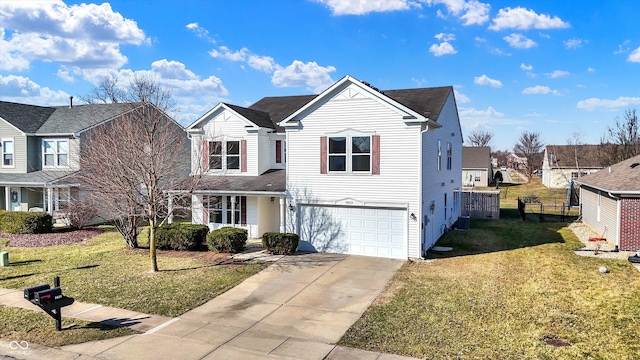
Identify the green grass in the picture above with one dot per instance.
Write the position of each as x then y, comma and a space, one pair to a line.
507, 287
32, 327
103, 271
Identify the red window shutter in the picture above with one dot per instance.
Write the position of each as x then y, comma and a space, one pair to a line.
205, 156
375, 155
205, 211
278, 151
323, 154
243, 155
243, 210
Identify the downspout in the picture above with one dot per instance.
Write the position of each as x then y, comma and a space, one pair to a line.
421, 252
618, 208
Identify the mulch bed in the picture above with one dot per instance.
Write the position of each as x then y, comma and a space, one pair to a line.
51, 239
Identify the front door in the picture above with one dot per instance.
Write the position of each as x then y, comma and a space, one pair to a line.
14, 199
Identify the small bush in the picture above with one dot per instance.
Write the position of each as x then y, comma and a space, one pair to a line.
280, 243
181, 237
81, 213
22, 222
227, 239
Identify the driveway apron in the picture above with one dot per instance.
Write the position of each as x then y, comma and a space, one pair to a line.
299, 307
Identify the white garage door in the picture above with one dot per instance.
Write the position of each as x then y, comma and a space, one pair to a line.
354, 230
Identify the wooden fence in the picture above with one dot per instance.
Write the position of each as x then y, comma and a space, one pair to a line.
483, 204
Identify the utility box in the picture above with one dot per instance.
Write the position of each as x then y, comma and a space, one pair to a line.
4, 258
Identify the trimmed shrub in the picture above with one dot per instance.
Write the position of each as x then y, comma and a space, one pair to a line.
280, 243
23, 222
181, 237
227, 240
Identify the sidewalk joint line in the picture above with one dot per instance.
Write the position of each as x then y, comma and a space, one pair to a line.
159, 327
86, 310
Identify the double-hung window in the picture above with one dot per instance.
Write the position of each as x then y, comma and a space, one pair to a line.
439, 155
55, 152
349, 154
7, 153
220, 209
478, 176
224, 155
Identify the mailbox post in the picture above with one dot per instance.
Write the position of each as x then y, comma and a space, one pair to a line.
49, 299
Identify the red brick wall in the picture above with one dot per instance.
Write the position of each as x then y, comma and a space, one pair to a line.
629, 224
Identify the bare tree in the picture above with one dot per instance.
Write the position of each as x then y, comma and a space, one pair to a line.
130, 163
479, 138
501, 156
622, 140
107, 91
530, 146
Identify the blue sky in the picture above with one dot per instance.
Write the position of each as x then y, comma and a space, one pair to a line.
553, 67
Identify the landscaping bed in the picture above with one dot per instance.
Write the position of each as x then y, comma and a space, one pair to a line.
57, 237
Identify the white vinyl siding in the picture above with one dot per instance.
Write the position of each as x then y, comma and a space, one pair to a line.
19, 148
607, 222
398, 182
272, 151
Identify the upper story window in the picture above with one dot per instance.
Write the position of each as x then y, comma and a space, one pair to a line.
7, 153
224, 155
449, 155
55, 152
350, 154
281, 152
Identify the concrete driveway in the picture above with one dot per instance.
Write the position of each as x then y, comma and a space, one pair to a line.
299, 307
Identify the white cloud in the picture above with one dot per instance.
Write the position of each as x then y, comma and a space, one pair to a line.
419, 82
85, 35
590, 69
223, 52
523, 19
445, 37
558, 74
621, 102
316, 78
442, 49
487, 81
544, 36
362, 7
471, 118
22, 90
634, 56
519, 41
262, 63
540, 90
480, 39
525, 67
472, 12
460, 97
574, 43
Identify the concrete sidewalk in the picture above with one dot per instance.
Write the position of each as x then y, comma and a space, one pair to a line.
297, 308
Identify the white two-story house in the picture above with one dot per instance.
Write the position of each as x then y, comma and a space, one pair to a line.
40, 152
353, 170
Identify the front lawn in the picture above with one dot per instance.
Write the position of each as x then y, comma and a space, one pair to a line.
103, 271
509, 290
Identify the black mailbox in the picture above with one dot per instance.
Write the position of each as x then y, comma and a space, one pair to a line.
48, 296
30, 293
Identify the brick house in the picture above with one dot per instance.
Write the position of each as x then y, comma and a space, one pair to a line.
610, 203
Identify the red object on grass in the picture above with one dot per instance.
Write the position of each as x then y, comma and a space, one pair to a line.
597, 239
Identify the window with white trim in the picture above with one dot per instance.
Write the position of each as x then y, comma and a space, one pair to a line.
439, 155
224, 155
55, 152
349, 154
7, 152
449, 154
221, 211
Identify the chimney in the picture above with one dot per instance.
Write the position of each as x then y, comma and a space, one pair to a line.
70, 102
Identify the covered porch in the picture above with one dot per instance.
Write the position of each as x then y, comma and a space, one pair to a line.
35, 191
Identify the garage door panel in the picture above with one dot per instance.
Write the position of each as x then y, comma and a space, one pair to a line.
354, 230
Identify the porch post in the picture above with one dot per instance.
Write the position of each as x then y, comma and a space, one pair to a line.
170, 209
282, 214
7, 198
233, 211
50, 201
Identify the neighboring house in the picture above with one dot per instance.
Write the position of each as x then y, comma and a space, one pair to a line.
563, 163
516, 162
476, 166
40, 147
367, 172
610, 203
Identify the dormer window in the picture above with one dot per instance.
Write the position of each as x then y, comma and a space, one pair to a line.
55, 152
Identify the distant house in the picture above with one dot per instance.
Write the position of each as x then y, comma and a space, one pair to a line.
476, 166
516, 162
563, 163
610, 203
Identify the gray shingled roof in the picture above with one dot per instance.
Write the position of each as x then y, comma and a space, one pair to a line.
280, 107
623, 177
565, 156
66, 120
425, 101
257, 117
27, 118
476, 157
34, 178
270, 181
